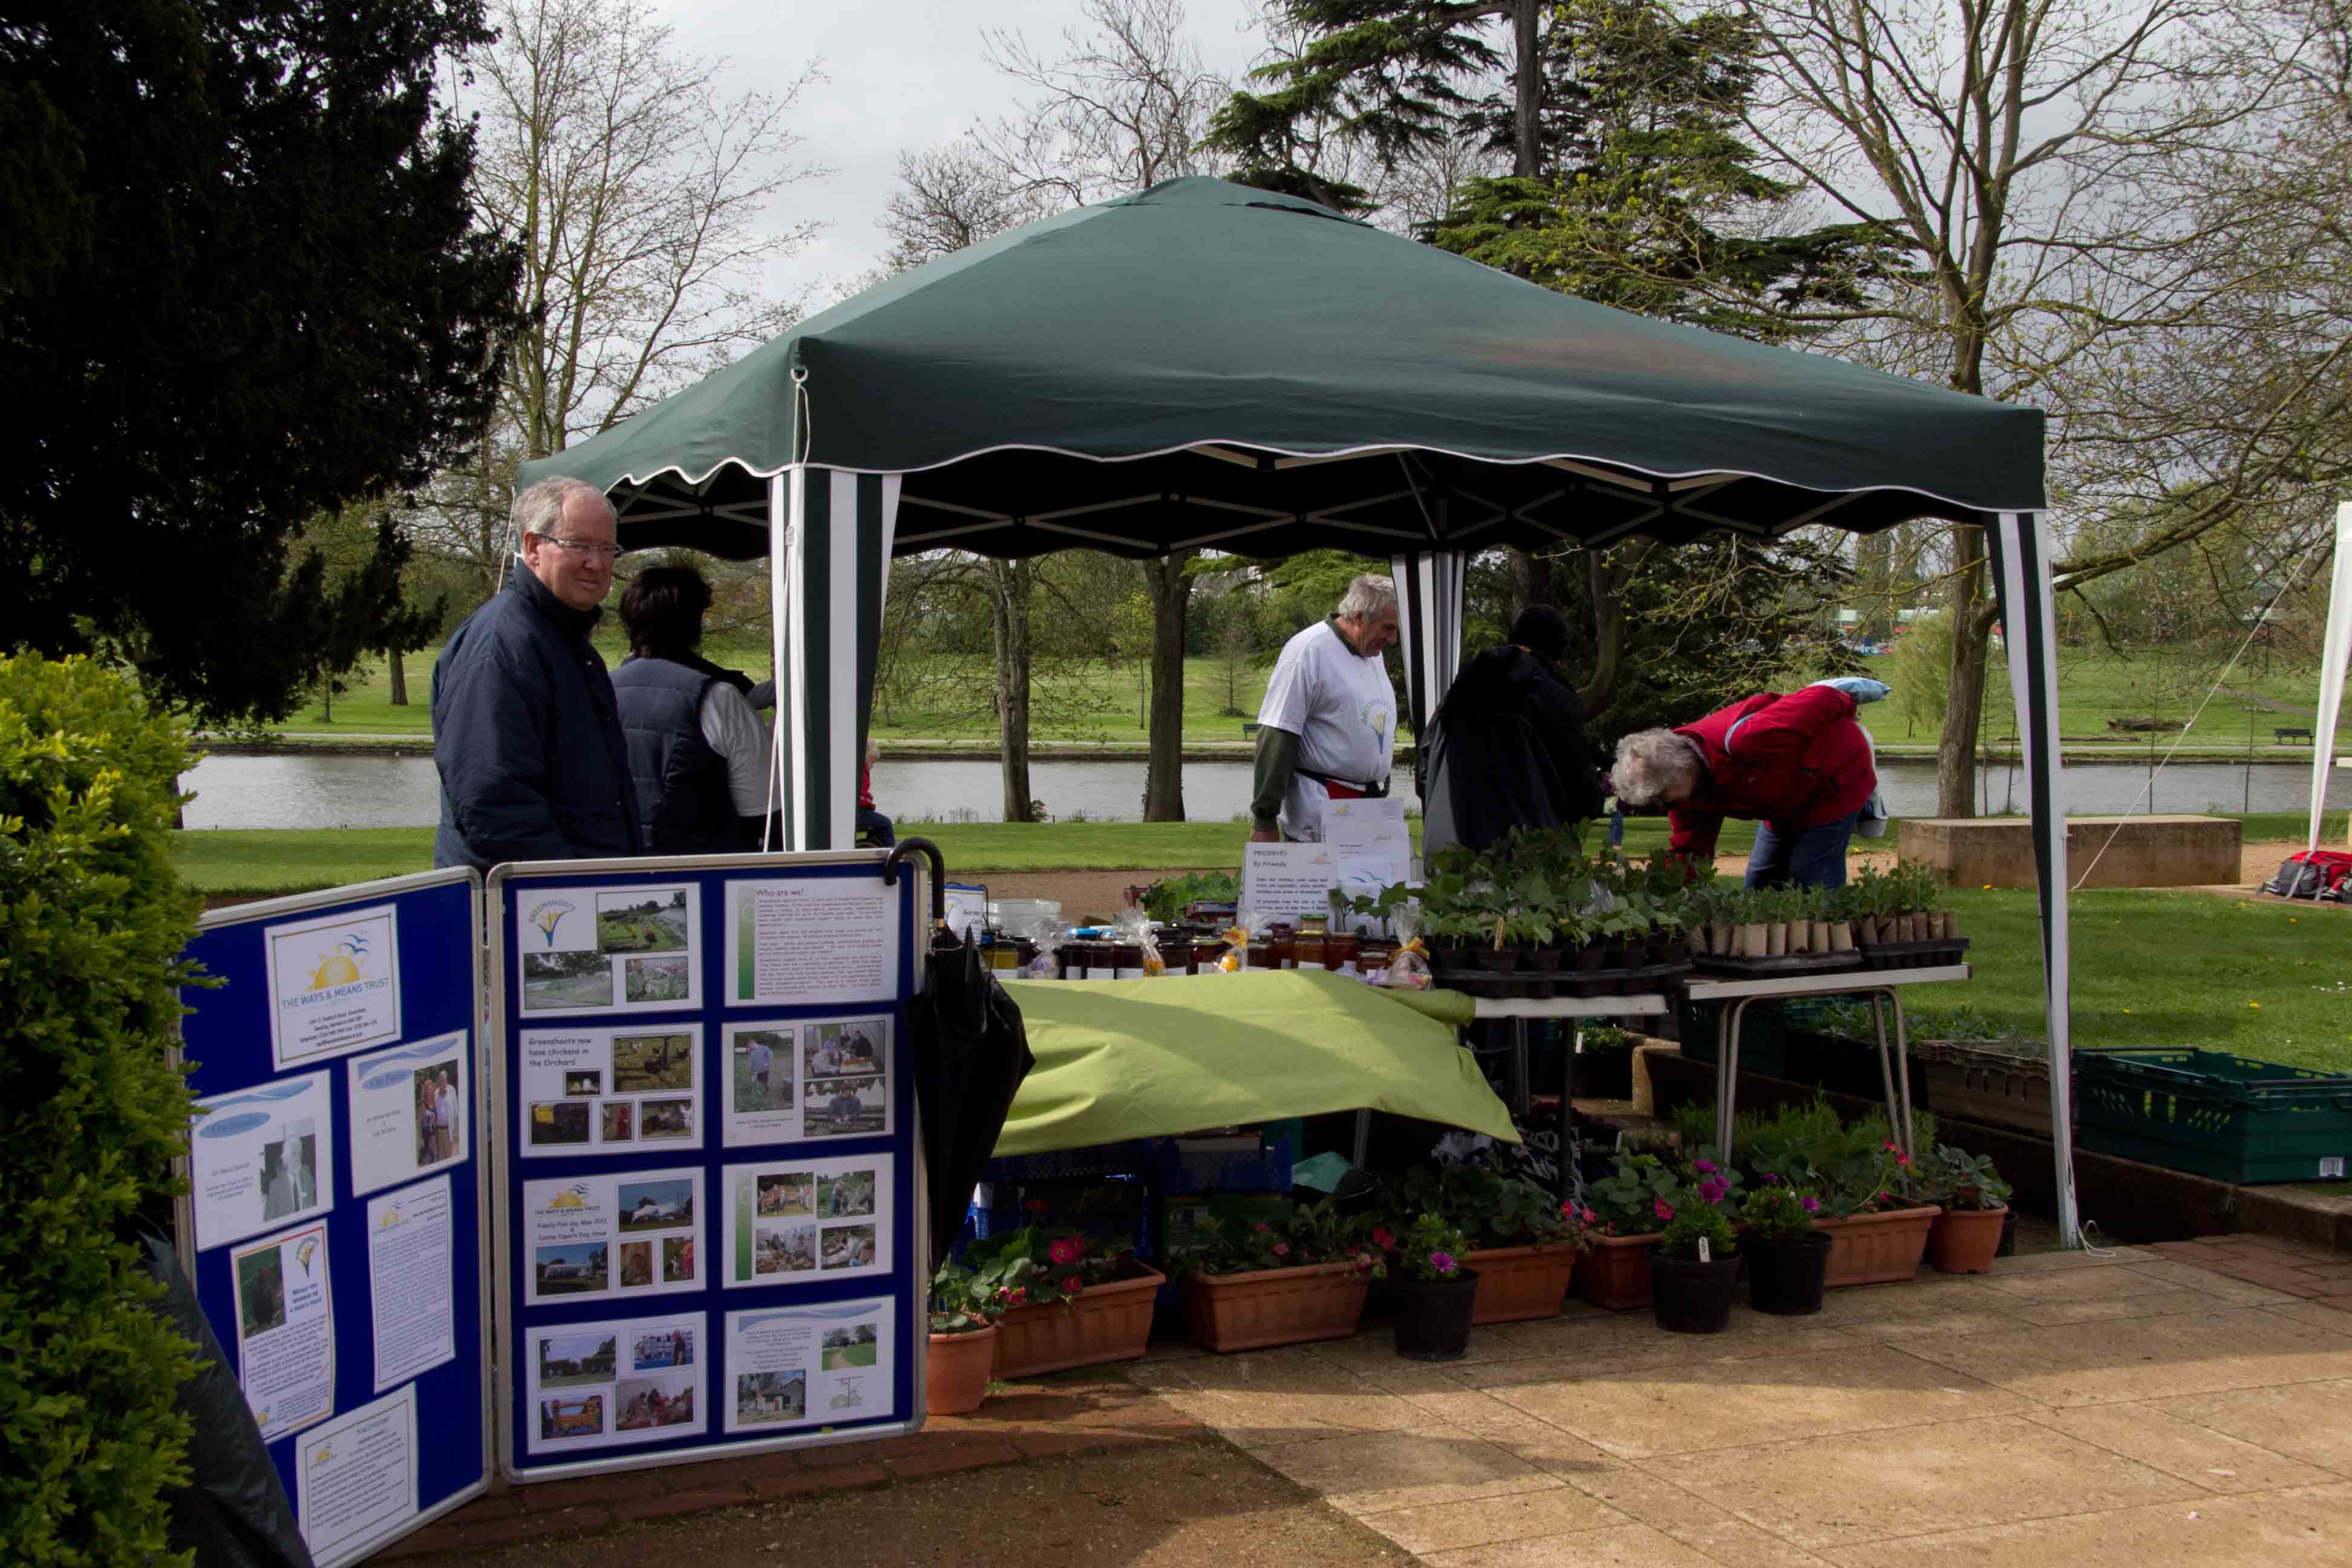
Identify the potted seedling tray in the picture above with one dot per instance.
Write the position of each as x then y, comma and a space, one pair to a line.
1742, 968
1912, 955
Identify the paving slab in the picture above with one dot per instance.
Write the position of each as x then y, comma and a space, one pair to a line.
2310, 1527
2095, 1364
1519, 1516
2179, 1445
1946, 1476
1372, 1472
2311, 1422
1622, 1546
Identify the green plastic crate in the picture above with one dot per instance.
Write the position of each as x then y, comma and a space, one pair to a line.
2227, 1117
1763, 1036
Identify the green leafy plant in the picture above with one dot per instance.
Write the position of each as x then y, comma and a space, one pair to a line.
1490, 1208
1166, 900
960, 1303
92, 924
1695, 1220
1038, 1265
1955, 1179
1636, 1198
1775, 1211
1431, 1249
1244, 1238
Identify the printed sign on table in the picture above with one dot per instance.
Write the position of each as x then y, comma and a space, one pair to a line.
334, 984
260, 1157
1284, 881
596, 1385
608, 950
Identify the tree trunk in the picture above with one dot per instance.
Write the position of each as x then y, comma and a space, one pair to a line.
1530, 581
1171, 599
1607, 582
392, 657
1956, 750
1011, 586
327, 701
1527, 67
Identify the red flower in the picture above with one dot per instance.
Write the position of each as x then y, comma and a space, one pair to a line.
1072, 1285
1261, 1227
1037, 1206
1282, 1249
1063, 1251
1665, 1210
1381, 1239
1590, 1218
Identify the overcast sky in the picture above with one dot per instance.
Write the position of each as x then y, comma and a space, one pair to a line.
900, 76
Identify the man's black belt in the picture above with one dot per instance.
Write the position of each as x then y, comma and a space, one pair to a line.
1367, 791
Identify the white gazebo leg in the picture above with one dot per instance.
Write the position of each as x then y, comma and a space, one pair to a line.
2019, 544
2336, 651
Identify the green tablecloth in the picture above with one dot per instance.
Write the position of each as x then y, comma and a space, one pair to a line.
1141, 1058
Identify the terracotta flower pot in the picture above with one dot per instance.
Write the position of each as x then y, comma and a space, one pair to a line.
1616, 1273
1518, 1284
1273, 1306
1433, 1317
1877, 1248
956, 1370
1965, 1241
1103, 1323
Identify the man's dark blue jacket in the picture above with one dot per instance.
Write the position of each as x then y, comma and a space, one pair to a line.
528, 738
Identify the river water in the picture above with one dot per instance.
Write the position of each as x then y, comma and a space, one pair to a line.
348, 789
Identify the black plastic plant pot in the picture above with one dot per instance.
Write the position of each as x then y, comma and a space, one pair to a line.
1785, 1278
1690, 1297
1433, 1319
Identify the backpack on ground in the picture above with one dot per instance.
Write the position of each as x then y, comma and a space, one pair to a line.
2312, 874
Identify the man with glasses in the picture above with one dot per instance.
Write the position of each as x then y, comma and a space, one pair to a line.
526, 731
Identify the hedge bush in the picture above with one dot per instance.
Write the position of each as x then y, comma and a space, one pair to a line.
92, 923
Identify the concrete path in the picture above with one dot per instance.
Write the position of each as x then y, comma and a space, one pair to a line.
2123, 1411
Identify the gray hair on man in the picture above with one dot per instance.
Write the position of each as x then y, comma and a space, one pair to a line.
1653, 767
540, 509
1367, 596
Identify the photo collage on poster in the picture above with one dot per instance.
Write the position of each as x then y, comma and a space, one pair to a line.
590, 1091
612, 949
809, 1366
789, 1081
599, 1385
611, 1237
796, 1221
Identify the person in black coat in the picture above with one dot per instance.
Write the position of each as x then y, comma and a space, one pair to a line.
698, 754
526, 732
1507, 747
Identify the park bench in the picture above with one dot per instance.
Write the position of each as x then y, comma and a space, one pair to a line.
2283, 736
1248, 730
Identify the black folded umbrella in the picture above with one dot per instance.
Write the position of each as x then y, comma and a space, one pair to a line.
971, 1053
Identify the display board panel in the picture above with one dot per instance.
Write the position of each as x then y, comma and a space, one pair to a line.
336, 1228
708, 1223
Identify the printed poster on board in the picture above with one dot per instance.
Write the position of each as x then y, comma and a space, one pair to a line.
608, 950
409, 1111
334, 984
792, 1220
602, 1384
812, 941
285, 1329
809, 1365
592, 1237
599, 1091
260, 1158
794, 1080
355, 1478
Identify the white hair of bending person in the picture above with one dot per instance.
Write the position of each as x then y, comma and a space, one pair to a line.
540, 509
1653, 767
1367, 596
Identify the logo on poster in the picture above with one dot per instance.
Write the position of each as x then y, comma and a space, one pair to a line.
571, 1197
304, 1253
322, 1453
339, 975
549, 915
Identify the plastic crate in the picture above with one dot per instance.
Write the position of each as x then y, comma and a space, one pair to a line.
2227, 1117
1763, 1036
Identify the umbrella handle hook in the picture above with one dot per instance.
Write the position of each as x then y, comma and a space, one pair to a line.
930, 852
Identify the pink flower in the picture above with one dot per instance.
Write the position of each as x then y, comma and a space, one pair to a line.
1702, 1166
1810, 1205
1712, 1191
1072, 1285
1767, 1176
1591, 1218
1902, 1159
1282, 1249
1261, 1227
1037, 1206
1381, 1239
1442, 1261
1663, 1209
1063, 1252
1363, 1260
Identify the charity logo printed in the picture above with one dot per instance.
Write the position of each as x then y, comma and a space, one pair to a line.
334, 984
608, 950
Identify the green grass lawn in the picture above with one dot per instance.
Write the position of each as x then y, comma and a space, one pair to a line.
2094, 685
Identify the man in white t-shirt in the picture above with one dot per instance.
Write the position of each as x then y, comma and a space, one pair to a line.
1327, 729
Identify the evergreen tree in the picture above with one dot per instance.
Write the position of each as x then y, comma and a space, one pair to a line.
244, 286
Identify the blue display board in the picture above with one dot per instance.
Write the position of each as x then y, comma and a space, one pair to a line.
335, 1228
708, 1224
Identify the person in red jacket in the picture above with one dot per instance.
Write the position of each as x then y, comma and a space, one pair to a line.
1800, 765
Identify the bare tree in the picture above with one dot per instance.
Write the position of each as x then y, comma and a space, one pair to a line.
642, 191
2034, 153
